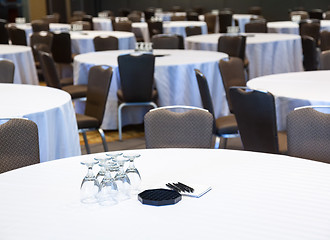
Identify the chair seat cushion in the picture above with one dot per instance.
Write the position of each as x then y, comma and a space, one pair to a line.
85, 121
226, 125
66, 81
76, 91
120, 96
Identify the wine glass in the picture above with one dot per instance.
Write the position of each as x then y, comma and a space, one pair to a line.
108, 193
102, 160
132, 172
122, 180
89, 186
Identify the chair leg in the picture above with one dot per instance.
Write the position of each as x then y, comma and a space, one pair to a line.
119, 122
225, 143
217, 142
88, 150
103, 140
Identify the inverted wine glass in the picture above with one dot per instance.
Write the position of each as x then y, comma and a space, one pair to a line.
132, 172
90, 186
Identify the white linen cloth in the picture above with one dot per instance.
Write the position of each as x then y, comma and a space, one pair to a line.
292, 90
254, 196
51, 109
292, 27
82, 41
267, 53
22, 57
242, 20
174, 78
102, 24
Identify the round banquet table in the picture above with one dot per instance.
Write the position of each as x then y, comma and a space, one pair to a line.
51, 109
292, 27
267, 53
243, 19
174, 78
102, 24
22, 57
293, 90
254, 196
82, 41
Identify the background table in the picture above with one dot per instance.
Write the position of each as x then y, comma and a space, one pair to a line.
174, 77
254, 196
267, 53
293, 90
22, 57
51, 109
292, 27
82, 41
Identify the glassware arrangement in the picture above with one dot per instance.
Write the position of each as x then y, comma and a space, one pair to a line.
102, 160
90, 187
108, 187
132, 172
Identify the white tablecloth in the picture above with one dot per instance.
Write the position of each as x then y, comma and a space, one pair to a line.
267, 53
174, 77
51, 109
293, 90
254, 196
22, 57
242, 20
82, 42
292, 27
102, 24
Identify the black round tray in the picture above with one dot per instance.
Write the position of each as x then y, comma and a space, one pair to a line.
159, 197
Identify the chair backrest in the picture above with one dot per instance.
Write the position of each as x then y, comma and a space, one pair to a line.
85, 25
232, 73
178, 18
327, 15
104, 43
99, 80
7, 71
234, 46
134, 17
210, 20
316, 14
45, 38
136, 77
192, 16
325, 60
125, 26
325, 40
165, 41
61, 47
49, 70
255, 10
39, 25
191, 31
309, 134
225, 20
303, 14
89, 19
19, 144
107, 13
149, 13
167, 129
79, 13
310, 59
256, 27
310, 28
53, 18
155, 28
17, 36
3, 32
256, 119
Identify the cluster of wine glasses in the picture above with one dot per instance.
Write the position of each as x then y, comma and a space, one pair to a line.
113, 183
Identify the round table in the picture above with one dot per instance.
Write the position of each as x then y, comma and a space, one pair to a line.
51, 109
82, 41
292, 27
102, 24
293, 90
243, 19
174, 78
22, 57
254, 196
267, 53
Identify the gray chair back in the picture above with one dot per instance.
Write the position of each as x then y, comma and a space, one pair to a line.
225, 20
167, 129
303, 14
39, 25
256, 26
61, 47
210, 20
7, 71
191, 31
17, 36
310, 28
310, 55
256, 119
49, 70
165, 41
325, 40
325, 60
155, 28
122, 26
19, 144
3, 32
104, 43
309, 134
99, 80
234, 46
38, 38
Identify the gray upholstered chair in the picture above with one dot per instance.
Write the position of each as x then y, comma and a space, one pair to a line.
52, 80
7, 71
223, 127
325, 60
256, 119
19, 144
125, 26
311, 28
309, 133
155, 27
211, 21
325, 40
178, 18
99, 80
310, 53
189, 129
225, 20
104, 43
137, 80
3, 32
39, 25
17, 36
165, 41
256, 26
303, 14
191, 31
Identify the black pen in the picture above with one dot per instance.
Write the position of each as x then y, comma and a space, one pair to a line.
183, 188
190, 188
173, 187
